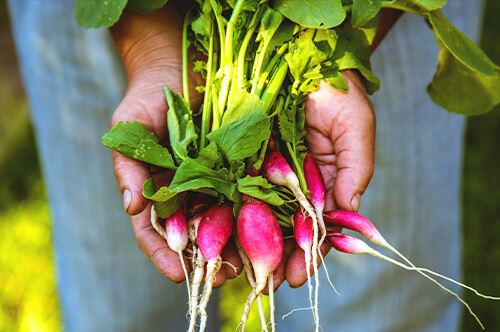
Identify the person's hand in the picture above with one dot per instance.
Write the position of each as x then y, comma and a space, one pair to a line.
150, 48
341, 137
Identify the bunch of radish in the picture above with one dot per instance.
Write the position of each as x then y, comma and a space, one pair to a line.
242, 171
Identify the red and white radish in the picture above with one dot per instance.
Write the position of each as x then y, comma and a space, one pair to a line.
260, 236
176, 234
277, 170
214, 231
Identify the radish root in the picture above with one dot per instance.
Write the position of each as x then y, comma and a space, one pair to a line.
213, 267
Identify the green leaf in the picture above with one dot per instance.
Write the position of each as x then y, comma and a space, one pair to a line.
134, 140
304, 56
210, 156
241, 105
145, 6
291, 124
164, 201
181, 128
317, 14
364, 10
338, 81
352, 53
459, 89
461, 46
419, 7
260, 188
241, 138
163, 194
98, 13
193, 175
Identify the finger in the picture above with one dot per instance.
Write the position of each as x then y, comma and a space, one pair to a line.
220, 278
156, 248
231, 262
296, 274
130, 175
279, 273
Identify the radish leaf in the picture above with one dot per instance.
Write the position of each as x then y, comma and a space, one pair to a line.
193, 175
260, 188
459, 89
134, 140
243, 137
364, 10
98, 13
458, 44
317, 14
145, 6
181, 128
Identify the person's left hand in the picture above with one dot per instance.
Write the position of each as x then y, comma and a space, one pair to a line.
341, 137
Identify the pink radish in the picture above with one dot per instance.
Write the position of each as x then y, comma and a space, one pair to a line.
365, 227
317, 190
214, 231
352, 245
355, 222
260, 236
277, 170
304, 236
176, 234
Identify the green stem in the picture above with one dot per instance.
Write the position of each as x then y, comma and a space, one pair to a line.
244, 46
298, 168
216, 118
273, 88
269, 68
262, 154
220, 26
185, 68
227, 59
207, 111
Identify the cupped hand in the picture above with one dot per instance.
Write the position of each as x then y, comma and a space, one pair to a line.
341, 137
150, 49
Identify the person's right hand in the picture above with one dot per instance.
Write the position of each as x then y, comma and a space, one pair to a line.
150, 49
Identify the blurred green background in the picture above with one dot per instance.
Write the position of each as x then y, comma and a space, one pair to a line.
28, 298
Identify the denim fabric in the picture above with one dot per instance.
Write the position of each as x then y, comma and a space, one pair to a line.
74, 82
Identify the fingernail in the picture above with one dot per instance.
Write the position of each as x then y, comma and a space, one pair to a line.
355, 201
127, 199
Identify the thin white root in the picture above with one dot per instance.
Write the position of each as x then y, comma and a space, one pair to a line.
186, 274
262, 315
328, 274
251, 280
213, 267
311, 213
321, 224
248, 304
195, 290
270, 286
156, 224
409, 268
307, 259
231, 265
425, 270
294, 311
